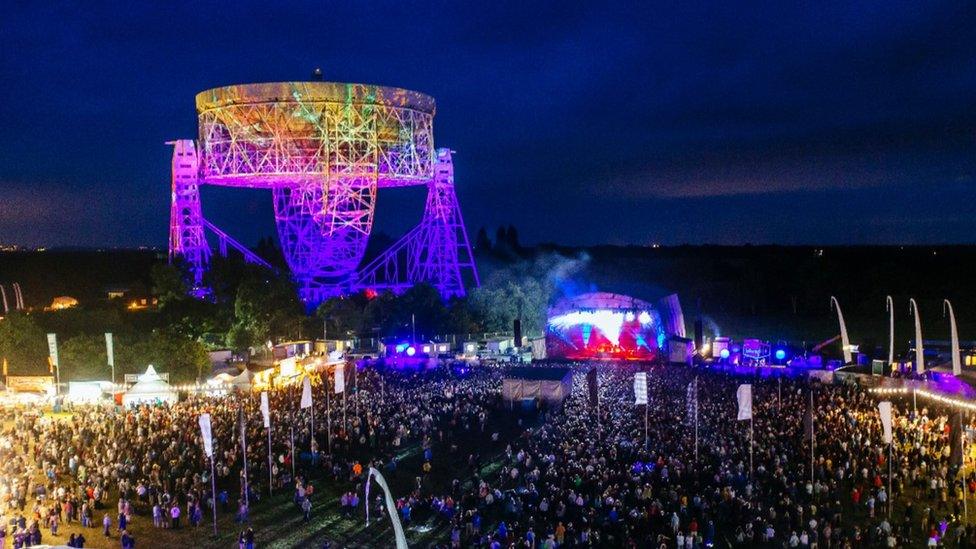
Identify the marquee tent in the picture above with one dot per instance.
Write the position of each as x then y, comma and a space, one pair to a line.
244, 380
150, 389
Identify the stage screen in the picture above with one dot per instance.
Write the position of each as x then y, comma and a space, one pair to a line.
604, 326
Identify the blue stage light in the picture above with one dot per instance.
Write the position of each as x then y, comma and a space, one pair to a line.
780, 354
724, 353
411, 351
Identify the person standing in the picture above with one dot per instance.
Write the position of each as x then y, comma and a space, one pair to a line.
174, 513
106, 526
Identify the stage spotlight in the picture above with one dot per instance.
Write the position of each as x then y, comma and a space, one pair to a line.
411, 351
780, 354
724, 354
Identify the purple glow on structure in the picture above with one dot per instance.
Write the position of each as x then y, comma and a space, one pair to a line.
324, 149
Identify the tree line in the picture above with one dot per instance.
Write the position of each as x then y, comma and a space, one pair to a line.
251, 306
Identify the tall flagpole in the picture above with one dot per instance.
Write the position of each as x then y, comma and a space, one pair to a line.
328, 409
270, 465
311, 442
962, 467
647, 404
244, 453
646, 441
266, 417
293, 454
812, 442
891, 495
696, 417
213, 491
750, 445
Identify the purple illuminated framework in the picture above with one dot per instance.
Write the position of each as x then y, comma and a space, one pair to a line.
186, 236
324, 149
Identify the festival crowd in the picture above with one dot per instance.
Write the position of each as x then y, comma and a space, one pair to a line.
479, 472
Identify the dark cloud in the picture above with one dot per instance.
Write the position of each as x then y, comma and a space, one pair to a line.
579, 122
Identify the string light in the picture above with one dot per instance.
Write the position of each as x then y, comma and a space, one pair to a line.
925, 394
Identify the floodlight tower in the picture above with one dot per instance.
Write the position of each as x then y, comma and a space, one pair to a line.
324, 149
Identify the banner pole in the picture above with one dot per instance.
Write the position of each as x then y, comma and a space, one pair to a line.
696, 419
646, 441
311, 438
293, 454
213, 491
328, 410
244, 454
270, 466
750, 446
962, 469
812, 442
891, 495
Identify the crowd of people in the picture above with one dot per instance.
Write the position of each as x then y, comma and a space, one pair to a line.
478, 472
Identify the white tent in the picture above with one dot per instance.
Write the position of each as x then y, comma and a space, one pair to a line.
150, 389
222, 377
244, 380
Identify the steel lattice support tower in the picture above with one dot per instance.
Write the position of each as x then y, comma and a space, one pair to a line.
443, 250
436, 252
186, 233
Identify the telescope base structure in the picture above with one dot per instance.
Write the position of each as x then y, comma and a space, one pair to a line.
323, 238
186, 234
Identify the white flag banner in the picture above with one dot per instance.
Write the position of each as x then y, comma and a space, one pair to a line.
265, 410
109, 349
919, 342
205, 432
306, 393
52, 348
340, 378
744, 396
845, 341
954, 336
401, 539
884, 408
640, 388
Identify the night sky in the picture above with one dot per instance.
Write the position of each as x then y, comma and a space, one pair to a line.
579, 122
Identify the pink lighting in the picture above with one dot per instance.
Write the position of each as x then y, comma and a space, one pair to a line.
324, 149
602, 325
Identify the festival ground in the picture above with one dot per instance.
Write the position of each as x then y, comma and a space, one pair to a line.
278, 521
596, 455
